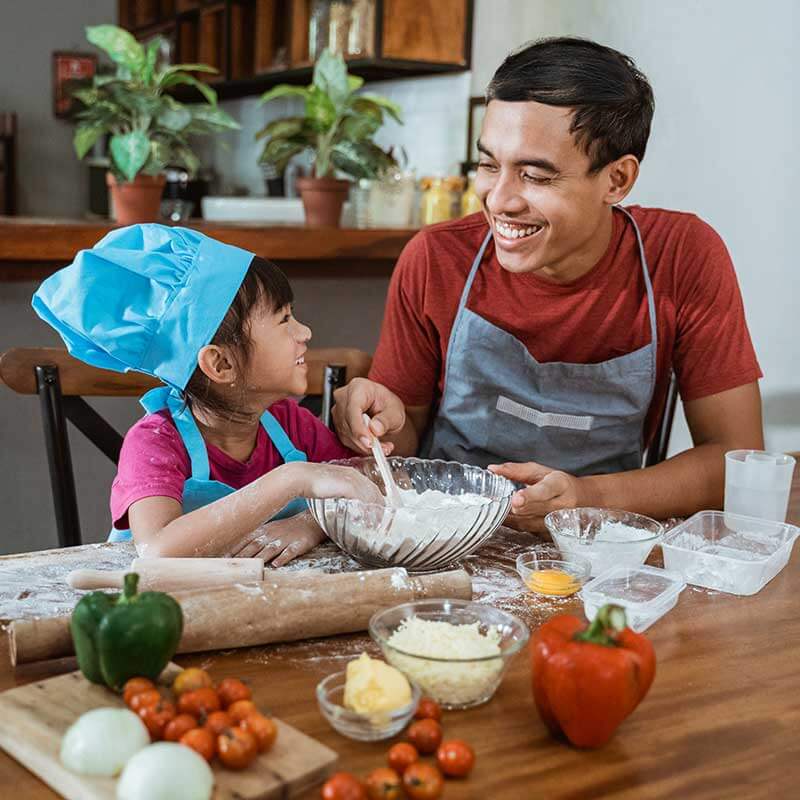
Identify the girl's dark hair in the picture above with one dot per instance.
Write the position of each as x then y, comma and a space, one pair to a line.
612, 101
263, 283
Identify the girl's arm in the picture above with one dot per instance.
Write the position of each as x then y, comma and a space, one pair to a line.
161, 529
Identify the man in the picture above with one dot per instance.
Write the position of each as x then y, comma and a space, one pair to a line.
539, 337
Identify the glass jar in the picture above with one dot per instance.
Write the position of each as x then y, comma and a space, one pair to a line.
470, 204
318, 28
361, 37
339, 25
436, 203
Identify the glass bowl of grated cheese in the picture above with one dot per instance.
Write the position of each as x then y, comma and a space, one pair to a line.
448, 511
607, 538
456, 651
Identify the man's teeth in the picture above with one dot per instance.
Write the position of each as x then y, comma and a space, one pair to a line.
301, 360
516, 232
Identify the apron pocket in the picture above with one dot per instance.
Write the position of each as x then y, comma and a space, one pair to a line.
543, 419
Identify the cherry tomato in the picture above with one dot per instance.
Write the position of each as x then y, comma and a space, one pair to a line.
201, 740
423, 782
157, 717
241, 709
149, 697
178, 726
218, 721
384, 784
343, 786
428, 709
198, 702
455, 758
401, 756
264, 730
232, 689
190, 679
135, 686
236, 748
425, 735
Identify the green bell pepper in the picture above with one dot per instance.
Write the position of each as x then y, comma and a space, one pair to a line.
124, 636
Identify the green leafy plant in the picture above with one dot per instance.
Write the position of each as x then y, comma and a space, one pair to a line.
149, 128
338, 125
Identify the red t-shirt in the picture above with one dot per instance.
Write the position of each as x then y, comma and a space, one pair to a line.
154, 462
702, 333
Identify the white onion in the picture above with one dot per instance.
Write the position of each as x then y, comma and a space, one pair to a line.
166, 771
100, 741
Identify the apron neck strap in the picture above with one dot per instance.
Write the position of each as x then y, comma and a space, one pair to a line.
281, 440
476, 262
648, 283
165, 397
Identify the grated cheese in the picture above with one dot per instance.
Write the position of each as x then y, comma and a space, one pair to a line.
456, 682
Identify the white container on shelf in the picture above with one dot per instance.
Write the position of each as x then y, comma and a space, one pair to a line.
729, 552
646, 593
269, 210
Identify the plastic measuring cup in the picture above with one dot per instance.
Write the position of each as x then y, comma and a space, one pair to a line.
757, 483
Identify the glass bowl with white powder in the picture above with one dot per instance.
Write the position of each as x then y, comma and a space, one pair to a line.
456, 651
605, 536
448, 510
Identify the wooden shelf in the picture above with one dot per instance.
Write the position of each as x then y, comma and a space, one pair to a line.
32, 248
256, 44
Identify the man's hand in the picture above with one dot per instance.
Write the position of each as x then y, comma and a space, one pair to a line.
548, 490
362, 396
281, 541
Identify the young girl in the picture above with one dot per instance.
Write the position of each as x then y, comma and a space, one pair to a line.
222, 449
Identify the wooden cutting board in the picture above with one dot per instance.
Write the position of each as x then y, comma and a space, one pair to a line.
36, 716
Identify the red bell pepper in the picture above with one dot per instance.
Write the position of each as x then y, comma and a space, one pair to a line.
587, 680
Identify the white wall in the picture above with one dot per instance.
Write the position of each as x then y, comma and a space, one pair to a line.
724, 143
51, 181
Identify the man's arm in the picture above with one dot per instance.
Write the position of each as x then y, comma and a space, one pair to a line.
680, 486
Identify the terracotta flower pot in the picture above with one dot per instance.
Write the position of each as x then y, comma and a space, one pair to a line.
323, 199
137, 201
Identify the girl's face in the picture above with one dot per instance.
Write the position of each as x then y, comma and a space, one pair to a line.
276, 364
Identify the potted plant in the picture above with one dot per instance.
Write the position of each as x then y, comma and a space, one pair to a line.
337, 126
149, 129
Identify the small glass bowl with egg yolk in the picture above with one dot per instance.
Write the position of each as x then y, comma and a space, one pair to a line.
549, 572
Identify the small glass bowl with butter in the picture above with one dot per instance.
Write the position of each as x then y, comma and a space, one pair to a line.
364, 726
551, 573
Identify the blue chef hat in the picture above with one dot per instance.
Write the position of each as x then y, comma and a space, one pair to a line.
144, 298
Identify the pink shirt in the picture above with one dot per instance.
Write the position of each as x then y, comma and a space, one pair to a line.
154, 462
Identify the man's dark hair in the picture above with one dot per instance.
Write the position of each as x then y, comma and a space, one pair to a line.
612, 100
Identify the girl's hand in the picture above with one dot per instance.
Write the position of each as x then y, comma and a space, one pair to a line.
332, 480
283, 540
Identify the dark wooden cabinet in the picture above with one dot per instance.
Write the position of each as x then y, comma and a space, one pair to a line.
256, 44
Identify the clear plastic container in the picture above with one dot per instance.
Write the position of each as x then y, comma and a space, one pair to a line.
646, 593
729, 552
606, 537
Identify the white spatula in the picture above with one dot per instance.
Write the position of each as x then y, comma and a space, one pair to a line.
392, 491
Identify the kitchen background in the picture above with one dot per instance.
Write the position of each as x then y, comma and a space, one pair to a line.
725, 75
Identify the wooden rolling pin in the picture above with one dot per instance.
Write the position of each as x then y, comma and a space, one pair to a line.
264, 613
177, 574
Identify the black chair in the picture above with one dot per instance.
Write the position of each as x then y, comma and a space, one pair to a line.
657, 452
62, 382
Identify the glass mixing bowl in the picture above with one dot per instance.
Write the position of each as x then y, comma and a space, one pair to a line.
452, 682
423, 537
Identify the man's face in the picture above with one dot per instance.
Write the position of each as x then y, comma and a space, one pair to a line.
543, 206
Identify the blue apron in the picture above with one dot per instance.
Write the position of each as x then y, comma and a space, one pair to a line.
199, 490
500, 404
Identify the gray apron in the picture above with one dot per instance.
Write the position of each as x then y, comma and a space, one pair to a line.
500, 404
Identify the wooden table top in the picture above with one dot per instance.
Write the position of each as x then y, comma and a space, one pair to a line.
721, 720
